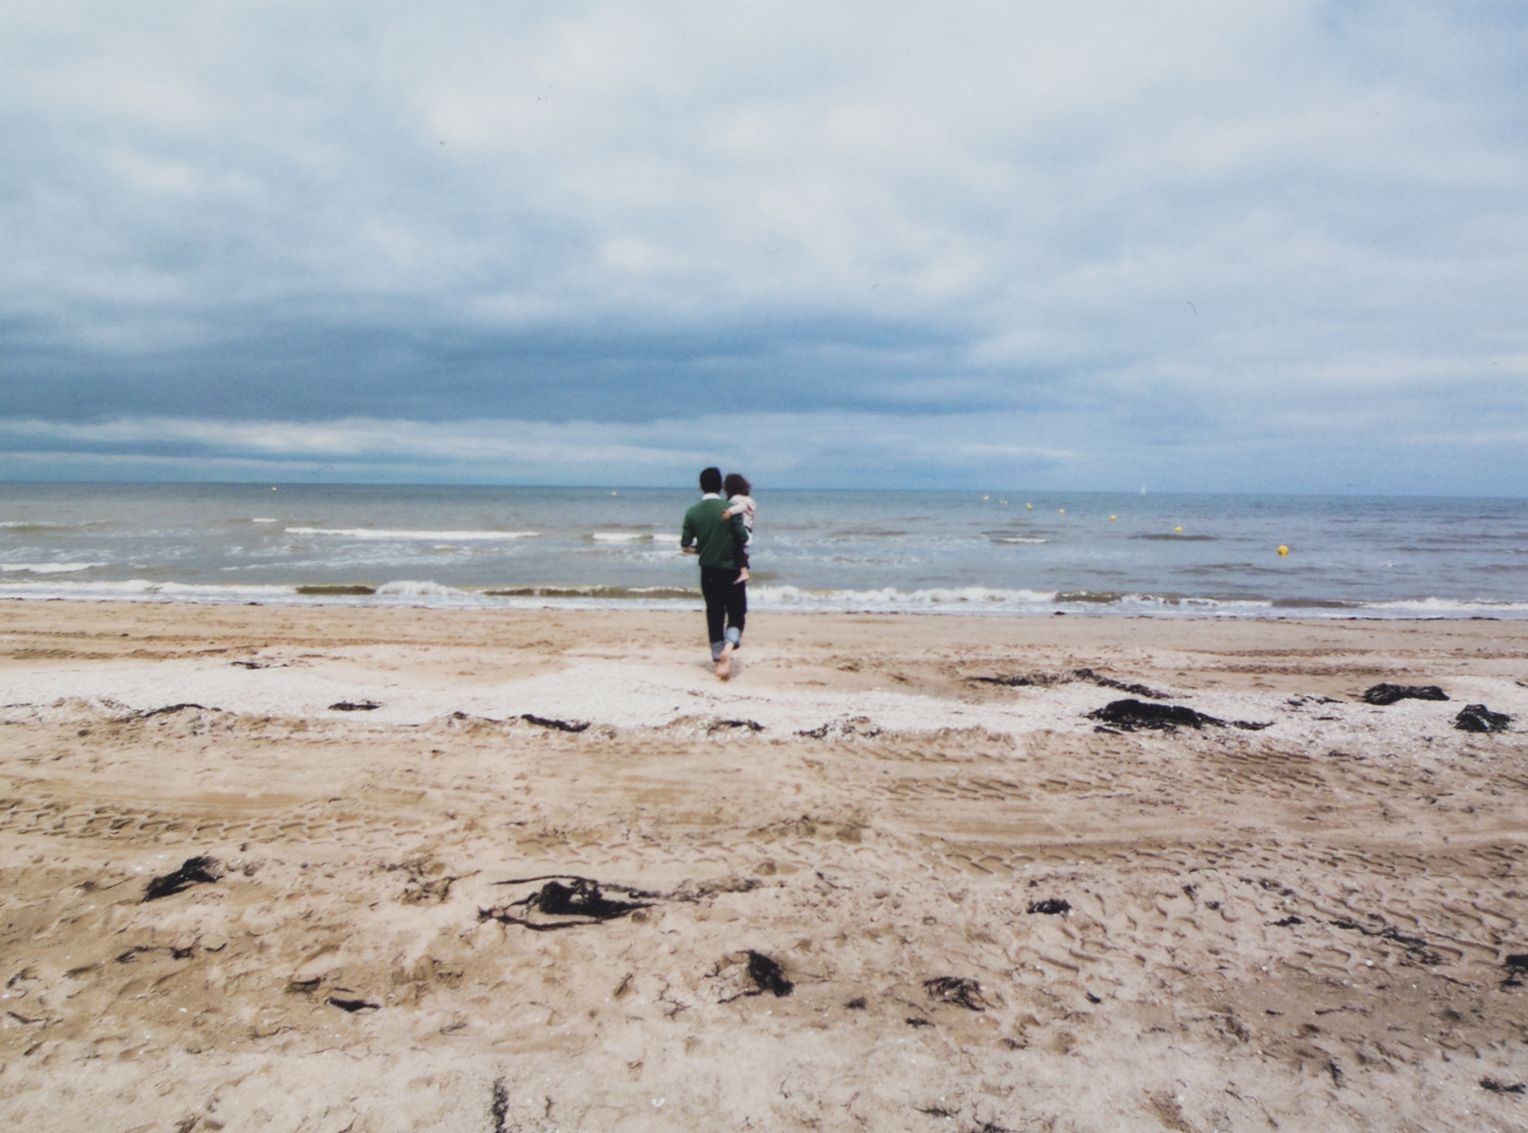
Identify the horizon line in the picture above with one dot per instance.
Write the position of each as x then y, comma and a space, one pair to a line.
614, 487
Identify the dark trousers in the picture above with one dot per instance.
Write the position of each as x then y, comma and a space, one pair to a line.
726, 603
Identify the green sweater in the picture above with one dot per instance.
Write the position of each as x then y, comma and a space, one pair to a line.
716, 539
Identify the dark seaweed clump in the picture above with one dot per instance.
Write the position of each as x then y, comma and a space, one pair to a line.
1383, 694
1051, 906
1479, 718
555, 725
1046, 680
1130, 715
580, 902
767, 975
1517, 967
194, 871
959, 990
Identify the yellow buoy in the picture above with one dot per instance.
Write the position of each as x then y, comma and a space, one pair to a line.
1283, 550
1177, 531
1112, 518
1029, 507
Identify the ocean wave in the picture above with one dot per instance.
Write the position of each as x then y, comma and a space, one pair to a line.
600, 593
412, 588
980, 599
1449, 607
1174, 537
1018, 539
1166, 600
1092, 597
782, 598
144, 589
624, 536
46, 568
1238, 569
264, 519
426, 590
1316, 604
409, 535
892, 599
39, 526
1471, 535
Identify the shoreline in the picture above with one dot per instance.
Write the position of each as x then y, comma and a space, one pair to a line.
668, 599
990, 908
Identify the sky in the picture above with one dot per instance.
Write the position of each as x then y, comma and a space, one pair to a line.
1252, 246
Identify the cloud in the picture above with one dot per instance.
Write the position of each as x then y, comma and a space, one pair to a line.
1123, 228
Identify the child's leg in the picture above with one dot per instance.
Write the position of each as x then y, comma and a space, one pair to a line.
741, 553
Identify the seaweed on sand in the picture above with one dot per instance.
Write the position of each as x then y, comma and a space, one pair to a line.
1383, 694
555, 725
1046, 680
958, 990
767, 975
581, 901
1479, 718
194, 871
1129, 715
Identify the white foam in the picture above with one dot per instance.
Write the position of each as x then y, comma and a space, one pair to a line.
1189, 602
624, 536
1448, 607
143, 589
205, 590
404, 535
412, 588
890, 599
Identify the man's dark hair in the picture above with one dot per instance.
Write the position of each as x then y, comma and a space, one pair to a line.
711, 480
737, 485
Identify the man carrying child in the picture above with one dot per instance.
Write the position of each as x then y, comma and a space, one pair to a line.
715, 537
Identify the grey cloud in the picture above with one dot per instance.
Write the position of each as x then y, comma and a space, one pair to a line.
1137, 230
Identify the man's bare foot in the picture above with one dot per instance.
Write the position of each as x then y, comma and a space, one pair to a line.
724, 662
742, 576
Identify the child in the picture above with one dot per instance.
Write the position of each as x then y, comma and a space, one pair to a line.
739, 502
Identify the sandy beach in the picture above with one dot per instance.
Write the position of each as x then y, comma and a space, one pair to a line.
332, 869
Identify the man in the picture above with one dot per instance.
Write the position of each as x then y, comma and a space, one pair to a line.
715, 539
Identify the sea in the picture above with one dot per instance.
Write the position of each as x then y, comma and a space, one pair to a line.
940, 552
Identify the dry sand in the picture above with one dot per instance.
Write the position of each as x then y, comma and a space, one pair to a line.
1307, 926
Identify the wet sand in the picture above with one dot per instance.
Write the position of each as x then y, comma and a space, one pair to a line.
541, 870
